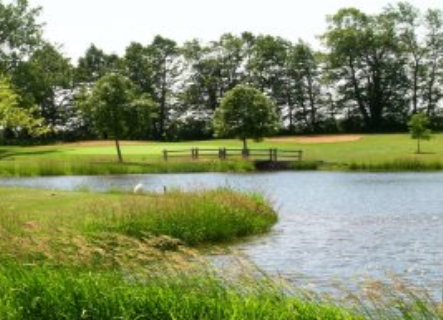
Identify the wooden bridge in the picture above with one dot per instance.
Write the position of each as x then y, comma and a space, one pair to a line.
224, 154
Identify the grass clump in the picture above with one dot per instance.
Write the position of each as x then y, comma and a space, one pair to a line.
199, 217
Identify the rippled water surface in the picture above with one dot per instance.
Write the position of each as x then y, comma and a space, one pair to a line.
333, 226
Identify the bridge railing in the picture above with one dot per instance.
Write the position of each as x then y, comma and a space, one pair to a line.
272, 154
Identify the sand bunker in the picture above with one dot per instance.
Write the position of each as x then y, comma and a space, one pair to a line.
317, 139
103, 143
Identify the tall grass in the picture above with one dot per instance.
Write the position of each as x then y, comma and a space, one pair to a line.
45, 292
212, 216
412, 165
49, 293
61, 168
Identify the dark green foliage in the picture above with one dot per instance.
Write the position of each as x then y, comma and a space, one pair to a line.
46, 80
20, 33
366, 61
116, 110
95, 65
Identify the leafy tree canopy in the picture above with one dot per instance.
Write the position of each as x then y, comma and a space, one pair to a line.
419, 128
245, 112
116, 108
20, 32
15, 118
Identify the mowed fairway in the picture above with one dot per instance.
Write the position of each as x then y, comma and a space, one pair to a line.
340, 150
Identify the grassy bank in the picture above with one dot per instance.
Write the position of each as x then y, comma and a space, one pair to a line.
97, 228
82, 255
369, 152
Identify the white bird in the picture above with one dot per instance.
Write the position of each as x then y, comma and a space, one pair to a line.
138, 188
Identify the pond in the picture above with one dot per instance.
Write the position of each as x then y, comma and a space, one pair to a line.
334, 227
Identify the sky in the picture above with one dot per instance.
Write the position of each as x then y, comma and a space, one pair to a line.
113, 24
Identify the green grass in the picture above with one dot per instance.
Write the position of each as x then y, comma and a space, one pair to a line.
67, 159
47, 293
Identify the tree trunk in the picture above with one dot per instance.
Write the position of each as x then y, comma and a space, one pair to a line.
119, 153
418, 146
245, 148
415, 89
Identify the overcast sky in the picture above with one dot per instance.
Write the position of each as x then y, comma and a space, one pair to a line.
113, 24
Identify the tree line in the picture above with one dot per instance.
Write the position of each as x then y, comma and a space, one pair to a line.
371, 74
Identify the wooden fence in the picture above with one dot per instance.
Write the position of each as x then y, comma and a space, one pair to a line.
224, 153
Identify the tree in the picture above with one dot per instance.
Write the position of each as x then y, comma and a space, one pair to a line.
137, 67
20, 33
419, 128
366, 62
15, 118
433, 92
303, 88
163, 57
245, 112
46, 80
200, 91
110, 105
408, 21
96, 64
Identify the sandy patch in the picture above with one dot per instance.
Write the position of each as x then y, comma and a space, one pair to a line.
317, 139
103, 143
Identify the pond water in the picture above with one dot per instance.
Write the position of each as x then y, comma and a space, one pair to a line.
334, 227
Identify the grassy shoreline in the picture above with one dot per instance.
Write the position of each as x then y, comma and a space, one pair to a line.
84, 255
67, 168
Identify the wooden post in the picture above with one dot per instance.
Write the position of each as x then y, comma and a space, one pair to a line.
222, 153
275, 154
196, 153
165, 155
